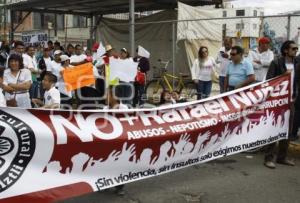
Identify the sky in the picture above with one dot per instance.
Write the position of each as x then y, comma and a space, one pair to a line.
271, 6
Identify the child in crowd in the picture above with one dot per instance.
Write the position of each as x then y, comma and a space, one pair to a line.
52, 95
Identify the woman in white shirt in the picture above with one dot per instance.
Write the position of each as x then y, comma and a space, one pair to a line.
17, 82
202, 72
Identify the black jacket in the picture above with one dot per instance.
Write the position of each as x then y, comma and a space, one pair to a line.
278, 67
297, 85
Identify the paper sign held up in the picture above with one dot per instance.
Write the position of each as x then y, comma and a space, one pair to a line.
79, 76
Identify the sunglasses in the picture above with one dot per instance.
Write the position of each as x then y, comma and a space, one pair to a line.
295, 48
233, 54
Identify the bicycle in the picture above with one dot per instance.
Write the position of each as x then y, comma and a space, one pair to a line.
181, 84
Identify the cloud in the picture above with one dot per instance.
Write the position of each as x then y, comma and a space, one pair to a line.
270, 6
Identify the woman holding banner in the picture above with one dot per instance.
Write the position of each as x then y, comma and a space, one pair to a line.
16, 83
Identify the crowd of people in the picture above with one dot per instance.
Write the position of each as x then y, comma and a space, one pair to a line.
236, 70
32, 78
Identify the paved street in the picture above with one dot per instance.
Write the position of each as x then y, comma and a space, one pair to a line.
239, 178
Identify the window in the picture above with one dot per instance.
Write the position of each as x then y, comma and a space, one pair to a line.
240, 26
224, 14
79, 21
224, 27
240, 12
41, 21
254, 26
17, 16
255, 13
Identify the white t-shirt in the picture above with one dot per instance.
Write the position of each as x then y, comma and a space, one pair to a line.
265, 58
48, 63
203, 71
61, 86
52, 96
2, 99
224, 62
22, 97
30, 62
291, 67
77, 58
54, 67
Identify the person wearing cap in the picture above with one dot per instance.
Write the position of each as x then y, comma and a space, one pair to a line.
55, 64
261, 58
66, 96
79, 58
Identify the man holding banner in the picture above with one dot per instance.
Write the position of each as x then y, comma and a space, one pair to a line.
283, 65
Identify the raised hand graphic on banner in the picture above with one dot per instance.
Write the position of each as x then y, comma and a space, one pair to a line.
163, 155
179, 147
126, 154
200, 142
78, 162
145, 158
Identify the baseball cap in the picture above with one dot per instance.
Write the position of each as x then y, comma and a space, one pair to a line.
57, 52
64, 58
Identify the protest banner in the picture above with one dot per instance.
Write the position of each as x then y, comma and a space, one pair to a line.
79, 76
46, 157
35, 39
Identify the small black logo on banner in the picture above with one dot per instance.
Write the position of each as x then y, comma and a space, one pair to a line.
17, 146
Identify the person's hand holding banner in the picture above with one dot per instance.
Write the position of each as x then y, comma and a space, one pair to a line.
79, 76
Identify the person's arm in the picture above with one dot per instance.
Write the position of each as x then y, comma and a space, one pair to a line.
250, 79
193, 71
37, 102
297, 81
21, 86
250, 76
226, 84
51, 106
267, 59
78, 63
24, 86
272, 70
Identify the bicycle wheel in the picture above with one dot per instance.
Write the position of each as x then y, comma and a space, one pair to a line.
153, 91
189, 91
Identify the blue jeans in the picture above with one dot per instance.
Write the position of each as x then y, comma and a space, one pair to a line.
222, 84
204, 89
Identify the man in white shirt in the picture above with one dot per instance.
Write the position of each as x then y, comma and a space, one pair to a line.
30, 62
55, 65
44, 63
261, 58
52, 95
78, 58
223, 59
